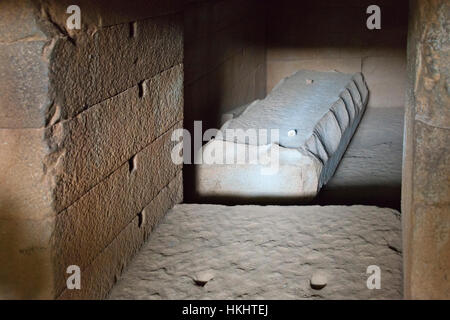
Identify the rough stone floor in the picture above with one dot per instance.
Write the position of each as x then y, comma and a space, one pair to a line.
370, 172
267, 252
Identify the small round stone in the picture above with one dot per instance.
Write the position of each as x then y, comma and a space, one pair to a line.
202, 278
318, 280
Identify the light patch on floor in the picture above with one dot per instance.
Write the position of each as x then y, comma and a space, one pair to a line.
267, 252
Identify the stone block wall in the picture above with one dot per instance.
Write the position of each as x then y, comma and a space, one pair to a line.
224, 60
86, 118
85, 123
426, 155
332, 35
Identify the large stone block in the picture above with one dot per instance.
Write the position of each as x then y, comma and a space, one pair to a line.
54, 76
426, 174
85, 115
102, 273
205, 54
104, 13
99, 140
85, 71
26, 270
315, 115
24, 85
432, 89
260, 81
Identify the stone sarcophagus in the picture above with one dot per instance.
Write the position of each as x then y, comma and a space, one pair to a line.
286, 146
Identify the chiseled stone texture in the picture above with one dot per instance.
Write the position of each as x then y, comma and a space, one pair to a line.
25, 188
18, 21
64, 161
87, 226
104, 13
426, 169
96, 142
267, 252
101, 274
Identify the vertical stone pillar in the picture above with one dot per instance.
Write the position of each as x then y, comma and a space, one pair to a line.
426, 159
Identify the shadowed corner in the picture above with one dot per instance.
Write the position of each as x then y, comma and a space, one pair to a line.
385, 196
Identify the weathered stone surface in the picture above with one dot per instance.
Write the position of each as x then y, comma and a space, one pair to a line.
85, 71
426, 170
99, 140
204, 55
242, 92
69, 74
432, 158
25, 187
429, 227
386, 80
224, 59
324, 114
104, 13
202, 278
267, 252
26, 270
87, 226
333, 35
103, 272
216, 15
